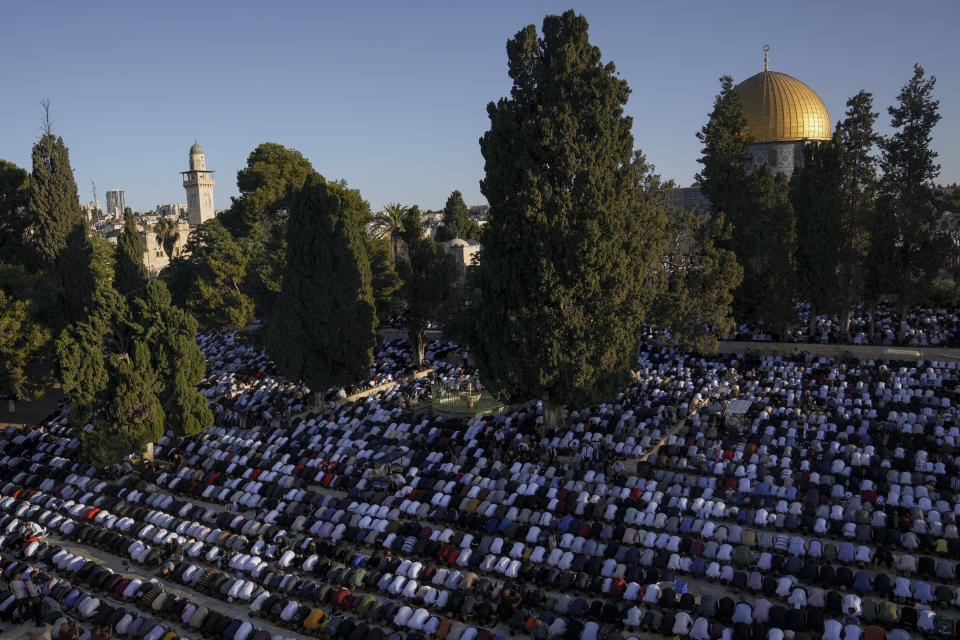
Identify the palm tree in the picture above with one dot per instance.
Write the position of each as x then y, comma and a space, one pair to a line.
168, 232
389, 223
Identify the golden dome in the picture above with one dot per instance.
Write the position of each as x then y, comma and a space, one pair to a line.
779, 108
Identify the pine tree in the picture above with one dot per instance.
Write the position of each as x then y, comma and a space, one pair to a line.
906, 251
258, 218
570, 245
272, 174
210, 279
427, 277
130, 274
858, 190
59, 231
815, 194
323, 331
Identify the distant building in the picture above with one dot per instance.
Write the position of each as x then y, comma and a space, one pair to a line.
91, 209
949, 222
783, 115
463, 252
479, 212
173, 210
431, 220
155, 256
686, 198
198, 182
116, 202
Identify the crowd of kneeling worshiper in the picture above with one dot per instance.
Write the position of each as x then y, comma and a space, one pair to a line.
829, 512
879, 324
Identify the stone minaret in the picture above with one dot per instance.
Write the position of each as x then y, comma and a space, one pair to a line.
198, 182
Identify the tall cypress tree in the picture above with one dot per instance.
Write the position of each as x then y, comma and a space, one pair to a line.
724, 179
906, 251
570, 244
757, 206
766, 249
176, 359
59, 230
323, 330
858, 191
816, 198
133, 416
130, 274
93, 359
456, 221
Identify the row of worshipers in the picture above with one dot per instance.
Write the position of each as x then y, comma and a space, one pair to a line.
418, 475
872, 325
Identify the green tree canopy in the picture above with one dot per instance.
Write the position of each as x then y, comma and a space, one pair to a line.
858, 190
456, 221
59, 231
427, 276
766, 249
571, 245
266, 184
133, 416
14, 193
906, 251
170, 334
389, 224
696, 305
723, 179
22, 338
816, 197
92, 361
323, 330
209, 280
756, 205
130, 274
257, 219
384, 280
83, 351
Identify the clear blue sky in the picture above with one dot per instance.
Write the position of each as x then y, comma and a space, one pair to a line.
391, 96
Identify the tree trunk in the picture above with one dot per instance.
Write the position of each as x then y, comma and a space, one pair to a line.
903, 321
845, 320
418, 344
552, 413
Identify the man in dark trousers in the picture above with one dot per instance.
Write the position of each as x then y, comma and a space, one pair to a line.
34, 600
19, 589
